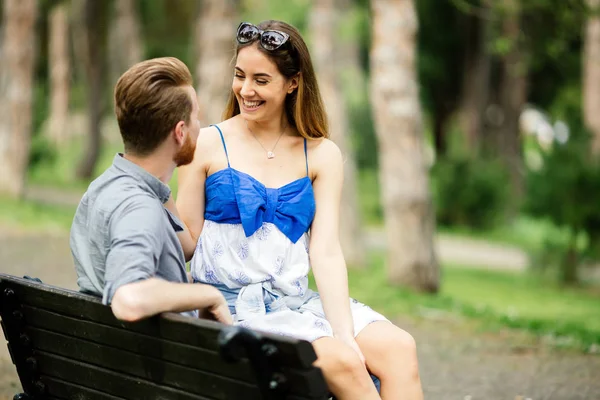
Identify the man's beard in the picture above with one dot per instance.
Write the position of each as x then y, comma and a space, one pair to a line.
185, 155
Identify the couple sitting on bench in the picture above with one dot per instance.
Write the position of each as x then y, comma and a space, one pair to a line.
250, 189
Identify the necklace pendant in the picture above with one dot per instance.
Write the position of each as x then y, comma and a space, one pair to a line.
270, 154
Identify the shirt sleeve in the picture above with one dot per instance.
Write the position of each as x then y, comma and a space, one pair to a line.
136, 230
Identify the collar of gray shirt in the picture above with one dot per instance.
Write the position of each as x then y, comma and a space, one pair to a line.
161, 190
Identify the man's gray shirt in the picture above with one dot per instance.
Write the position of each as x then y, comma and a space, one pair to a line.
122, 233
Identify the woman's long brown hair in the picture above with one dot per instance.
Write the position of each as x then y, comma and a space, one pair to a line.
304, 106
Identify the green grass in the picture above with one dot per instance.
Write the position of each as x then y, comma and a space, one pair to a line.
32, 215
495, 299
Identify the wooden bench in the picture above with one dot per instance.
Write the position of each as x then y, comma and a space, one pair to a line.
67, 345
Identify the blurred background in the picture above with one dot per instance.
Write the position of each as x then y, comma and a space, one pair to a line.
471, 136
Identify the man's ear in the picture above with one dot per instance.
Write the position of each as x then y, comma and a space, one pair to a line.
179, 133
294, 82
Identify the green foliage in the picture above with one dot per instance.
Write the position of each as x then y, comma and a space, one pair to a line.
56, 166
369, 197
566, 190
167, 28
42, 151
441, 48
293, 12
469, 192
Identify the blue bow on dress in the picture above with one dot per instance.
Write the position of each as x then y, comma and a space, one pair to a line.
291, 208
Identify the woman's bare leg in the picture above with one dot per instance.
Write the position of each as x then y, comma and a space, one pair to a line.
391, 355
344, 372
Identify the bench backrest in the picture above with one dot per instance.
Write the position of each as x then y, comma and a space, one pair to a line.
68, 345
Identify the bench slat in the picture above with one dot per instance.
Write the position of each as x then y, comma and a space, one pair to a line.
67, 390
136, 366
174, 327
106, 381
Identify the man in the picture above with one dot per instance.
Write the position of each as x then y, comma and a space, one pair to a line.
124, 240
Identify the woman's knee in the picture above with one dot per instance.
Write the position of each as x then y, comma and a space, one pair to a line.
386, 345
340, 363
401, 348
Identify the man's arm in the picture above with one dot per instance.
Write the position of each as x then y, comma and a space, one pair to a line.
142, 299
137, 234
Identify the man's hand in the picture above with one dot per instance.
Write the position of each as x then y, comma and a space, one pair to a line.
218, 312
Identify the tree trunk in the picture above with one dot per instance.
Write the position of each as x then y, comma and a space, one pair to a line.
323, 26
408, 211
476, 80
60, 74
95, 18
125, 43
215, 29
513, 95
16, 93
591, 74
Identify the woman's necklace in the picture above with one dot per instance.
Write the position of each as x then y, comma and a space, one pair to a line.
270, 153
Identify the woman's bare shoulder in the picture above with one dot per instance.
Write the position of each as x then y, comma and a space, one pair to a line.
324, 150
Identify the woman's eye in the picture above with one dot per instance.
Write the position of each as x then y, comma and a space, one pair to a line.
239, 76
261, 82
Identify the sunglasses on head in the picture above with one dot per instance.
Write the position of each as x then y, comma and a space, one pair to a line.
270, 39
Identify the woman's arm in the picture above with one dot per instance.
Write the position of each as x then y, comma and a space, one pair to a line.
327, 260
190, 196
185, 237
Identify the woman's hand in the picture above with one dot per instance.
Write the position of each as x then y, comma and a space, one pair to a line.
350, 341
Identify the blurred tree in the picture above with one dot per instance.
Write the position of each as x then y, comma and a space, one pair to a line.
408, 212
353, 38
16, 92
95, 21
125, 47
476, 69
324, 26
167, 28
440, 63
591, 74
60, 73
215, 41
512, 95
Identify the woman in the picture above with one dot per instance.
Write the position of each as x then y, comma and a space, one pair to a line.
259, 181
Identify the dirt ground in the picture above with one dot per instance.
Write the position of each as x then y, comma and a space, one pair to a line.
456, 361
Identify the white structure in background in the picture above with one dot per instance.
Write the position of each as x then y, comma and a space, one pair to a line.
537, 124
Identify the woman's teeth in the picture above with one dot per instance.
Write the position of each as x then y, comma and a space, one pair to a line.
252, 104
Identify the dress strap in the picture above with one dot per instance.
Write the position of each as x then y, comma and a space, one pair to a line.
306, 156
225, 147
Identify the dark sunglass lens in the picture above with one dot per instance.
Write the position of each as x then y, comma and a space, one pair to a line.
272, 40
247, 33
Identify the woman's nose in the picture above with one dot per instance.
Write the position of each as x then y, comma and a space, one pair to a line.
247, 89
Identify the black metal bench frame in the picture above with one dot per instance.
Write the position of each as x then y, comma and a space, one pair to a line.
66, 345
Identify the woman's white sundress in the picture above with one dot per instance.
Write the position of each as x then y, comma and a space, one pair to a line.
254, 248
